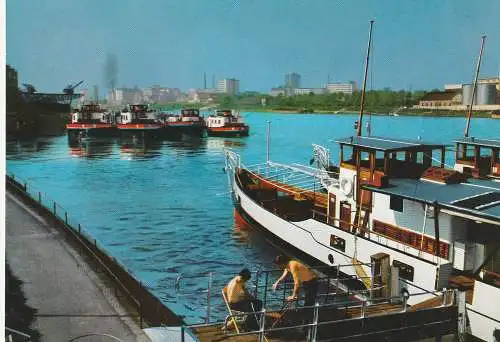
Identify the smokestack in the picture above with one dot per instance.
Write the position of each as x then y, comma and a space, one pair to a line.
204, 80
213, 81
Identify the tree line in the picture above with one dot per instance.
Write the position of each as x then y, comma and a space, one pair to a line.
385, 99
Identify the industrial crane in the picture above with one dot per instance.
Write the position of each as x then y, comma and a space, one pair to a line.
70, 89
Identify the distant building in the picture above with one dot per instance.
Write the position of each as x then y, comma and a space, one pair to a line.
203, 95
306, 91
229, 86
278, 92
161, 95
491, 80
450, 97
84, 98
346, 88
292, 80
452, 86
122, 96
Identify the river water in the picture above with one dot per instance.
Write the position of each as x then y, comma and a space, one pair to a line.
163, 208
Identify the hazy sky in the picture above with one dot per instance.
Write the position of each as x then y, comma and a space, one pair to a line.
422, 44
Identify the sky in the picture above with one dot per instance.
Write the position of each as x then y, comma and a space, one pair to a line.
416, 44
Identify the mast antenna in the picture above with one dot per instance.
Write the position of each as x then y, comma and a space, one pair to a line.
469, 113
360, 121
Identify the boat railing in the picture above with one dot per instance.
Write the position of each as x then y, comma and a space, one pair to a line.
309, 316
360, 230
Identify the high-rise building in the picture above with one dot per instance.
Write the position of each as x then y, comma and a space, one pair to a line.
229, 86
292, 80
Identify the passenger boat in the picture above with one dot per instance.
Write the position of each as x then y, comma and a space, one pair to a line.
477, 157
139, 120
389, 200
226, 124
91, 121
187, 122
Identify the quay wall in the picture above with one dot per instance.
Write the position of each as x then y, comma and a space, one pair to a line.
149, 308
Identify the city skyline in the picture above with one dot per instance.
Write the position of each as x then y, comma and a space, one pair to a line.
419, 45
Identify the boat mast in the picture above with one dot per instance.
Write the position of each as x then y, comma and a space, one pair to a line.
360, 121
469, 114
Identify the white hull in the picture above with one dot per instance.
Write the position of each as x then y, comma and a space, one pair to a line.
312, 237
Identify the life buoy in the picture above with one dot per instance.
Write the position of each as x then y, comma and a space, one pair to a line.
346, 186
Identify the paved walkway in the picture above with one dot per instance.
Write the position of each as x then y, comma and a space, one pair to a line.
70, 298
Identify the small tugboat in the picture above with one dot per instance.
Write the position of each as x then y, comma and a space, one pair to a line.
187, 122
90, 121
226, 124
137, 119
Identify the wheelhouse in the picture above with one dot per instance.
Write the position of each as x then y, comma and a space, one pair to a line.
478, 157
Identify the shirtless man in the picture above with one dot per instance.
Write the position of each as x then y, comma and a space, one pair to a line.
240, 299
301, 276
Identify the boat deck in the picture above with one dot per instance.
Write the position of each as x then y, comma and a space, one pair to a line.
349, 323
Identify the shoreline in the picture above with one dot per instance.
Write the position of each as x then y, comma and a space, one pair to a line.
351, 112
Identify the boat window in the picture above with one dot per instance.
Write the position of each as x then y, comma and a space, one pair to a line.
436, 158
401, 156
420, 157
337, 243
365, 159
485, 152
379, 160
396, 203
347, 154
405, 271
465, 152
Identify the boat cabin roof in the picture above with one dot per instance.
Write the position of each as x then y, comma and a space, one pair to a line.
387, 144
493, 143
138, 107
480, 198
190, 111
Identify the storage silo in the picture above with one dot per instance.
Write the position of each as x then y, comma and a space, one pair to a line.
467, 94
486, 94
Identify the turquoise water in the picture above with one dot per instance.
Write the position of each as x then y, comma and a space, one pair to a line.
162, 209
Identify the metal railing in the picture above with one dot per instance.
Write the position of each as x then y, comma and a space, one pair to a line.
122, 278
449, 299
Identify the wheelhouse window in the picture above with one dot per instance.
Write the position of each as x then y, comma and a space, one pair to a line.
379, 161
365, 159
396, 203
337, 243
405, 271
465, 152
347, 154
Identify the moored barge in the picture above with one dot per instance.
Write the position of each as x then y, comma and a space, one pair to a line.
226, 124
91, 121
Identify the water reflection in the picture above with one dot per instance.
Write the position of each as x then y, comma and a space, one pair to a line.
221, 144
90, 148
25, 148
139, 148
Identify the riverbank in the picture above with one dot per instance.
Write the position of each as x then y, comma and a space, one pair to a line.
69, 297
407, 112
